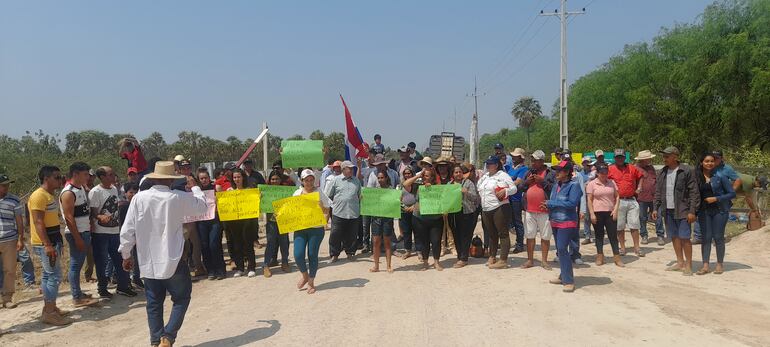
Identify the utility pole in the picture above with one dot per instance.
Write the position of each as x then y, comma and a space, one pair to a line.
474, 136
563, 14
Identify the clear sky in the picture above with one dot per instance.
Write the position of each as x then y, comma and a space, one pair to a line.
224, 67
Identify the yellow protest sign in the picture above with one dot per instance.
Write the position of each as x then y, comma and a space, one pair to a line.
238, 204
298, 212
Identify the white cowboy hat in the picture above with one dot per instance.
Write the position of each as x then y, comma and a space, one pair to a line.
164, 170
645, 154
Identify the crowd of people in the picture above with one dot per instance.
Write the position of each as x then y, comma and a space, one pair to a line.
134, 235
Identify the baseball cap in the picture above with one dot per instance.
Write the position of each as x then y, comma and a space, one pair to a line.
538, 155
620, 152
346, 164
602, 168
132, 170
337, 164
670, 150
411, 145
248, 161
230, 166
563, 165
518, 152
599, 153
403, 149
178, 157
493, 159
5, 180
499, 146
588, 159
184, 162
379, 159
305, 173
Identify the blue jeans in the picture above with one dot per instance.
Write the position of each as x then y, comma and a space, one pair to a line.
714, 223
365, 237
310, 240
210, 236
566, 238
50, 275
517, 223
645, 209
77, 259
587, 226
135, 271
696, 231
180, 288
105, 255
276, 241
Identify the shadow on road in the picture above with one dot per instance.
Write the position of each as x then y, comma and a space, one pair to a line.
587, 281
351, 283
247, 337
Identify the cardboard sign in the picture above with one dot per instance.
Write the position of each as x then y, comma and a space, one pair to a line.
298, 213
381, 202
211, 212
238, 204
271, 193
302, 153
440, 199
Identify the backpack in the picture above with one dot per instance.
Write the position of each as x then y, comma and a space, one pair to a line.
477, 247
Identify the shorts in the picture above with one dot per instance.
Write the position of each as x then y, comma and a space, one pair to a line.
538, 222
628, 215
677, 228
383, 227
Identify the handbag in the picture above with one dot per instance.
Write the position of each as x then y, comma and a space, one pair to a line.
755, 221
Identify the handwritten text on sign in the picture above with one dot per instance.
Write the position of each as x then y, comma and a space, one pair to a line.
380, 202
302, 153
298, 213
238, 204
440, 199
211, 211
270, 193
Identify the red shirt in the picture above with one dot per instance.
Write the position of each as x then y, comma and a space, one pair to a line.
136, 159
627, 179
536, 196
648, 185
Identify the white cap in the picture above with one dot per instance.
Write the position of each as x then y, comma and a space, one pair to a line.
599, 153
346, 164
538, 155
305, 173
179, 157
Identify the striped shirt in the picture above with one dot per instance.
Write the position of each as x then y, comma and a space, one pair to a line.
10, 208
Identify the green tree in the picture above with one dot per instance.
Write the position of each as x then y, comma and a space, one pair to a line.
526, 111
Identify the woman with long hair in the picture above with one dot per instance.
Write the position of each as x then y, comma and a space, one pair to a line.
275, 240
716, 194
462, 222
406, 223
603, 201
382, 230
309, 240
243, 234
428, 227
494, 189
210, 234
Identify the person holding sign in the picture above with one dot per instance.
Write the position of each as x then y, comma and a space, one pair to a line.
309, 240
210, 235
275, 240
462, 222
494, 189
428, 227
242, 233
382, 229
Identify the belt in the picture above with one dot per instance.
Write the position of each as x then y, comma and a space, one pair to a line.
628, 198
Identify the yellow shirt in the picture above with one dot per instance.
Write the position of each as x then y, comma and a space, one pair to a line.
41, 200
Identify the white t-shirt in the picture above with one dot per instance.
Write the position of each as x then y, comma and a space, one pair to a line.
670, 183
105, 200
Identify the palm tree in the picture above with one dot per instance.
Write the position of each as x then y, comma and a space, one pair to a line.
525, 111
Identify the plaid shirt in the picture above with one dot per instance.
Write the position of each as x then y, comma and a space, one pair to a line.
10, 207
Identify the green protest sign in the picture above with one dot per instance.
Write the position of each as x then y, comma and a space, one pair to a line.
272, 193
440, 199
381, 202
302, 153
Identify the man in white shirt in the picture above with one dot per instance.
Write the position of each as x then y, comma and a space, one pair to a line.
105, 238
154, 224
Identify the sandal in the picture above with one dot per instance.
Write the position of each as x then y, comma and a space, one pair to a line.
702, 272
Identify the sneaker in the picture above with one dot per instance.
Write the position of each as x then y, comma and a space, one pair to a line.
252, 274
105, 295
53, 318
661, 241
518, 250
221, 276
128, 292
645, 240
586, 241
285, 267
212, 277
85, 302
238, 274
579, 261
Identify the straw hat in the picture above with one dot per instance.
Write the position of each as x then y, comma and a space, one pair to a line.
426, 160
164, 170
442, 160
645, 154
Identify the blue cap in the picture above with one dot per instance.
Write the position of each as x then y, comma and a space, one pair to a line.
493, 159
